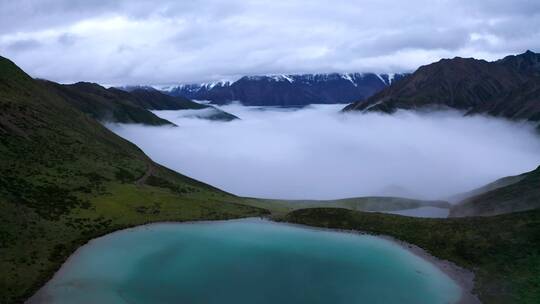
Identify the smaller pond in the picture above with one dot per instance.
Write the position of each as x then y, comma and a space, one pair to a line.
245, 261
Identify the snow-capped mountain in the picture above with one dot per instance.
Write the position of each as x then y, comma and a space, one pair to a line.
196, 87
288, 90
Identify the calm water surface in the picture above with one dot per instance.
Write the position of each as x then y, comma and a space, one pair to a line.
245, 261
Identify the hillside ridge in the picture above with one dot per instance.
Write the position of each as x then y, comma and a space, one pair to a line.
508, 88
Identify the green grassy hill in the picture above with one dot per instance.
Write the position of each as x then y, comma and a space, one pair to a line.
65, 179
370, 203
507, 195
502, 182
503, 251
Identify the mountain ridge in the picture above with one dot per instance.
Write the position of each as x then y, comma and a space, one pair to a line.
509, 88
153, 99
287, 89
119, 106
104, 104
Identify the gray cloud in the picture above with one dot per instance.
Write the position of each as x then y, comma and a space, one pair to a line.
23, 45
159, 42
318, 153
67, 39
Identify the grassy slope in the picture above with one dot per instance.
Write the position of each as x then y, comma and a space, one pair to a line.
517, 196
503, 251
65, 179
373, 203
502, 182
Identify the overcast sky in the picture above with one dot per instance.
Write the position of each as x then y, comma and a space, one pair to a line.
165, 42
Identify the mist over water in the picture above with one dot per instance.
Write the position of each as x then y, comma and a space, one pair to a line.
319, 153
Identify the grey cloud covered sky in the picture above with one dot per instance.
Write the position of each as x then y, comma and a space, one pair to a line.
165, 42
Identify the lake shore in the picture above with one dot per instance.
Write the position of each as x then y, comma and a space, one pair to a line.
462, 277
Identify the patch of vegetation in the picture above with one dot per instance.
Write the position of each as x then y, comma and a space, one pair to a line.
157, 181
503, 251
153, 209
124, 176
369, 203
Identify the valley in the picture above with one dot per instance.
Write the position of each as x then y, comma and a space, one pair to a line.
67, 179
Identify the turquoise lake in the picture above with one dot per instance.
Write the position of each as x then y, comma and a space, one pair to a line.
245, 261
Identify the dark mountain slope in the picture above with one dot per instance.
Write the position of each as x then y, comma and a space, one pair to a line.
527, 63
105, 105
115, 105
522, 103
507, 88
460, 83
64, 179
518, 194
153, 99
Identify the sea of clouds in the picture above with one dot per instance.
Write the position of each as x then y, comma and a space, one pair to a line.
319, 153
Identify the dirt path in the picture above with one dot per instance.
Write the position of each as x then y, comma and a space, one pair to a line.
149, 170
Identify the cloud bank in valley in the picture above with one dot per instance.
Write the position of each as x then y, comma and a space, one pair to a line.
318, 153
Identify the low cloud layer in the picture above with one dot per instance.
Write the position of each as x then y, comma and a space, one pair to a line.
169, 41
318, 153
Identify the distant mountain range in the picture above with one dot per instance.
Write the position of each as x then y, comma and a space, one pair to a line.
508, 88
288, 90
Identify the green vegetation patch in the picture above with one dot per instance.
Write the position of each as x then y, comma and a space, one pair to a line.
65, 179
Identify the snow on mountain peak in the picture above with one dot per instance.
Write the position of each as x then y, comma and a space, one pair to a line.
391, 78
348, 77
381, 78
220, 83
307, 79
288, 78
